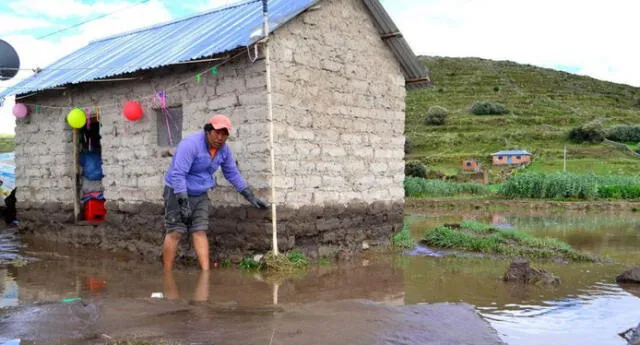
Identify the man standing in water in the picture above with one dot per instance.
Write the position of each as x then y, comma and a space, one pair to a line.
187, 181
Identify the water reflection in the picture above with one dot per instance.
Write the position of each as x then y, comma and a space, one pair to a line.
200, 291
9, 292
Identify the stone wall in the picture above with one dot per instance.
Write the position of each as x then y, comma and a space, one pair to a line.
133, 163
339, 100
338, 96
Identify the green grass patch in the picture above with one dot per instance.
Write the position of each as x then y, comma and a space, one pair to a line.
7, 143
248, 263
571, 186
403, 238
482, 238
419, 187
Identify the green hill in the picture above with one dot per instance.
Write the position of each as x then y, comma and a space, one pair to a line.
544, 105
7, 143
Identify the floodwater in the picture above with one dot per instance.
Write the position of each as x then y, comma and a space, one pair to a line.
78, 297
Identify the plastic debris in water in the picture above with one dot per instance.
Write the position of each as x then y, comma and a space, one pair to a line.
157, 295
72, 299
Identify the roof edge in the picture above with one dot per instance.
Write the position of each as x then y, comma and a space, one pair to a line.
415, 73
159, 25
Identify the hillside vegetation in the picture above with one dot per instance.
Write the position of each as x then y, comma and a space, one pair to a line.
543, 106
7, 143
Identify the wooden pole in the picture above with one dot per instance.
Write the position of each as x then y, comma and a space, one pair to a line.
76, 175
265, 28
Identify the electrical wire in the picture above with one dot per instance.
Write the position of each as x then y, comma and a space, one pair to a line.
91, 20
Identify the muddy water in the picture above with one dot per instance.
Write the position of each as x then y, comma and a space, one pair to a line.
587, 308
39, 285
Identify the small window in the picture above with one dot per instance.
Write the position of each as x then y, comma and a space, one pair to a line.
500, 157
517, 157
468, 164
169, 126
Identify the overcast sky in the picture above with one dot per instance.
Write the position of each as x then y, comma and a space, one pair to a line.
594, 38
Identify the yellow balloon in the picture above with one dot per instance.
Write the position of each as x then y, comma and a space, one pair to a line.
77, 118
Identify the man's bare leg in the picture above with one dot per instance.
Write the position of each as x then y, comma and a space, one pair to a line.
171, 241
201, 246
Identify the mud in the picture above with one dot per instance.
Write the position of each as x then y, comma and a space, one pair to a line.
235, 232
338, 322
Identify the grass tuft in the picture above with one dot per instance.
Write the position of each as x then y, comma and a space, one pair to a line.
478, 237
403, 238
286, 262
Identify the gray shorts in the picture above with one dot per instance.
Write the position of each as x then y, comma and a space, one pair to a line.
199, 213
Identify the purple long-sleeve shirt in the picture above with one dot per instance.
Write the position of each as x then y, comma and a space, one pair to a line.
192, 167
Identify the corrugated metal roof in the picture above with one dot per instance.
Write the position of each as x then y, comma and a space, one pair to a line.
511, 153
196, 37
415, 73
191, 38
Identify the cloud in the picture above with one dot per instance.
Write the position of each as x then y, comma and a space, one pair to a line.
14, 23
60, 8
31, 49
594, 36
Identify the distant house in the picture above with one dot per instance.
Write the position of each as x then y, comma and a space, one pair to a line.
514, 157
471, 165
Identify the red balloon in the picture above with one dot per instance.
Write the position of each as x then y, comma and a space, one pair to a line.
132, 111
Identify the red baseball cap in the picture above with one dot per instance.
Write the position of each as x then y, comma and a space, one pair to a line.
220, 121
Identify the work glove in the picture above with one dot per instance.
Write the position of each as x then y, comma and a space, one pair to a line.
185, 208
255, 202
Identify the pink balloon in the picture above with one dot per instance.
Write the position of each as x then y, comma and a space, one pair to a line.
20, 110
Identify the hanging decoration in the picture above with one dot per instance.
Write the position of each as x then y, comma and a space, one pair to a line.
161, 97
20, 110
132, 111
76, 118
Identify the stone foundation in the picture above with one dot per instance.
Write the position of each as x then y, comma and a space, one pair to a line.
234, 232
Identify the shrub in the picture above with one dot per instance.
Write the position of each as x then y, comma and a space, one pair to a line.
589, 132
407, 145
415, 169
624, 133
436, 115
488, 108
638, 148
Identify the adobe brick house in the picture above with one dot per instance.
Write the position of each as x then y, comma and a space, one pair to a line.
470, 165
513, 157
338, 67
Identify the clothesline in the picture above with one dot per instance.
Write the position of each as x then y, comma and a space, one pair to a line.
148, 100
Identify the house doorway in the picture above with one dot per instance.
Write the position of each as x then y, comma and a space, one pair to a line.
89, 178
